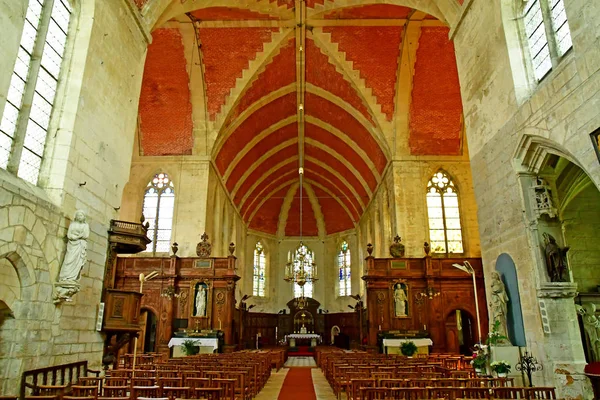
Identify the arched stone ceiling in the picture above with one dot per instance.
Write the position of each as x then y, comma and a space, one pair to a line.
345, 78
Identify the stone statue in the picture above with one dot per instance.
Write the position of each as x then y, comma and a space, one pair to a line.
400, 301
591, 325
200, 301
556, 258
75, 258
499, 306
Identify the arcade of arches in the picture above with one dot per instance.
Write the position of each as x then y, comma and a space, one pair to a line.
467, 125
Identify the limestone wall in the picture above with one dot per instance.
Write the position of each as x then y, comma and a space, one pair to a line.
499, 111
86, 165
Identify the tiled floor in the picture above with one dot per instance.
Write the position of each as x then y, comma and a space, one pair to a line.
273, 385
322, 388
300, 362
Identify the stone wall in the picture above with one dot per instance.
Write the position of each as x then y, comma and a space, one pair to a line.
503, 115
87, 163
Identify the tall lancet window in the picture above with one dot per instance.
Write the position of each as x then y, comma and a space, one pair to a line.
159, 202
258, 282
444, 217
26, 117
344, 270
304, 256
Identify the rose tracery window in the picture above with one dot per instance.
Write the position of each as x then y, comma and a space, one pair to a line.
344, 270
444, 217
159, 202
258, 281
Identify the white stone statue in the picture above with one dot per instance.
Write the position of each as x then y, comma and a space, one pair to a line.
400, 301
591, 325
201, 301
499, 306
75, 258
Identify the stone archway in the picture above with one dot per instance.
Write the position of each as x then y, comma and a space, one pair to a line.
460, 332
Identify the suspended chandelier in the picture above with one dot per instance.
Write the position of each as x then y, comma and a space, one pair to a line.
300, 268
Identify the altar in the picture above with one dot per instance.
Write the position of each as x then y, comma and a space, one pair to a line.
392, 346
206, 345
314, 338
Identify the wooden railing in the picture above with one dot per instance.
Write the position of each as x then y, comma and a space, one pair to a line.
64, 374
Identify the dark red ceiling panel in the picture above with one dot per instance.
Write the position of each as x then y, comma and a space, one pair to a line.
320, 72
436, 108
165, 109
332, 114
228, 14
267, 218
344, 149
263, 118
227, 52
286, 173
280, 72
377, 64
335, 216
372, 11
274, 139
309, 221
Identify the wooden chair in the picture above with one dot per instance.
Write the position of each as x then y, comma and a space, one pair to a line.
114, 398
540, 393
115, 391
138, 381
450, 393
393, 383
79, 398
46, 397
356, 385
208, 393
508, 393
476, 393
145, 391
228, 386
175, 392
409, 393
375, 393
84, 391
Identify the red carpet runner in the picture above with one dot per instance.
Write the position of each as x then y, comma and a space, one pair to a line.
298, 385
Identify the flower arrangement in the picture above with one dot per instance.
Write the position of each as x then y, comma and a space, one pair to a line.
500, 367
480, 361
408, 348
190, 347
495, 337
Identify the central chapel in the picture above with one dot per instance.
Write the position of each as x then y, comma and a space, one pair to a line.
299, 199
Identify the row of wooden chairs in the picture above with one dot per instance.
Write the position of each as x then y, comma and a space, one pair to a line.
416, 393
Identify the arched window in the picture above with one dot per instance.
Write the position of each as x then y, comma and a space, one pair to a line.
344, 270
548, 34
444, 217
304, 256
258, 280
159, 202
30, 99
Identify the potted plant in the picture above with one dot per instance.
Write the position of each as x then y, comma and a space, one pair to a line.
408, 348
479, 362
190, 347
502, 368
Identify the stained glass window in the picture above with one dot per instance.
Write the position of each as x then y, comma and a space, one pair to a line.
159, 202
258, 283
445, 232
344, 270
26, 117
540, 18
303, 259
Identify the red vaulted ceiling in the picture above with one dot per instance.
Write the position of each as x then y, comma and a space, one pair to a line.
350, 84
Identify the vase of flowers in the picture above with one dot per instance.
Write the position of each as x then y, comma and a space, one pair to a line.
501, 368
479, 362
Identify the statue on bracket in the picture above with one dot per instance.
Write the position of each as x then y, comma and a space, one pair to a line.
204, 248
556, 259
75, 258
397, 248
400, 300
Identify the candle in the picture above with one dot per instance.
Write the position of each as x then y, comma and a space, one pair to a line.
275, 334
424, 327
219, 323
379, 327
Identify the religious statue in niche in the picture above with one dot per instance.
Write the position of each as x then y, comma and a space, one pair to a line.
591, 325
75, 258
397, 248
499, 307
556, 259
200, 305
400, 300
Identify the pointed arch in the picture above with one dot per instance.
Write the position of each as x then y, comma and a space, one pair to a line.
344, 271
259, 271
157, 208
445, 233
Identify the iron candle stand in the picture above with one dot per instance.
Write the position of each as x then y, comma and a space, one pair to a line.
529, 365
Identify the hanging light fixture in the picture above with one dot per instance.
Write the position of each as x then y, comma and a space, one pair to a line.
300, 268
